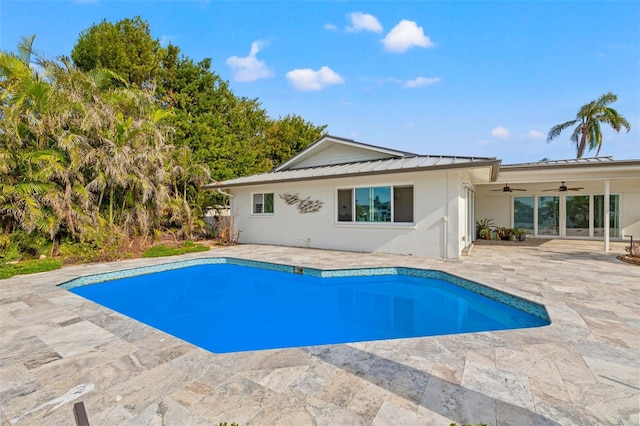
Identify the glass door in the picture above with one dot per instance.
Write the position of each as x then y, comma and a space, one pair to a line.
523, 212
598, 216
549, 215
577, 218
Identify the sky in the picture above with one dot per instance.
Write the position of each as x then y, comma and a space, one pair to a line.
478, 78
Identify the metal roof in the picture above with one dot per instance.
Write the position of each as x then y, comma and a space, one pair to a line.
392, 165
596, 162
571, 161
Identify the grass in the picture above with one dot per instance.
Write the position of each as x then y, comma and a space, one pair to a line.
7, 270
163, 250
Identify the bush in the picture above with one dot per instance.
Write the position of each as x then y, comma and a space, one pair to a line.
79, 252
21, 244
162, 250
8, 270
633, 250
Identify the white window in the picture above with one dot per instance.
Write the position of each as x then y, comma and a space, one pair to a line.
263, 203
376, 204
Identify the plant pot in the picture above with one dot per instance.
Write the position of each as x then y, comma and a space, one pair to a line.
523, 237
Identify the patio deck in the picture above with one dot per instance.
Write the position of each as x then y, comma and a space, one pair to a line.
57, 348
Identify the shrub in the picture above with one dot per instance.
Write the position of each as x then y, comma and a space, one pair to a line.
162, 250
8, 270
633, 250
21, 244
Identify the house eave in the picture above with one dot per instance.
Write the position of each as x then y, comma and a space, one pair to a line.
494, 164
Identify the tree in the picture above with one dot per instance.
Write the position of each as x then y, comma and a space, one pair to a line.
587, 124
289, 135
125, 47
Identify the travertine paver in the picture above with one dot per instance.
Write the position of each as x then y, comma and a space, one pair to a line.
57, 348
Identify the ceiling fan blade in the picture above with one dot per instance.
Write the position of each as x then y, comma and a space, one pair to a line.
549, 190
517, 189
574, 189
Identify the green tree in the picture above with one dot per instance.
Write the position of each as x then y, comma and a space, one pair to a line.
289, 135
587, 123
125, 47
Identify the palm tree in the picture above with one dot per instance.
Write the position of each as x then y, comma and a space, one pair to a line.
587, 122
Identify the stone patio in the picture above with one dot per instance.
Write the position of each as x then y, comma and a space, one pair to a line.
57, 348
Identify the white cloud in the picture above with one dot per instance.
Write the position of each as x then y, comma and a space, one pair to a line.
501, 133
536, 134
165, 39
249, 68
421, 82
308, 79
330, 27
404, 36
363, 22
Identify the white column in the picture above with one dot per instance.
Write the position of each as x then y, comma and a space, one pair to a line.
606, 215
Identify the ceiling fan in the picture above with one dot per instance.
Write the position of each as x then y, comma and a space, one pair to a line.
507, 188
563, 188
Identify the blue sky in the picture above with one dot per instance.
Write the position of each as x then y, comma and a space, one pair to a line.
452, 78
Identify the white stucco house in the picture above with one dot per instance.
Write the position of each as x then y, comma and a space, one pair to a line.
346, 195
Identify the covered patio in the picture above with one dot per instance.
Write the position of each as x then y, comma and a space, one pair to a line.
591, 199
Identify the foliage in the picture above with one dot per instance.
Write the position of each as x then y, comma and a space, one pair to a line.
633, 249
469, 424
125, 47
483, 228
8, 270
587, 124
162, 250
83, 154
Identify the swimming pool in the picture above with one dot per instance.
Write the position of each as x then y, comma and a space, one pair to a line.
229, 305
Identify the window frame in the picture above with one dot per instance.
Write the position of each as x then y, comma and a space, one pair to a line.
262, 212
392, 207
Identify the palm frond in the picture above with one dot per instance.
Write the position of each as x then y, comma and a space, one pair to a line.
556, 130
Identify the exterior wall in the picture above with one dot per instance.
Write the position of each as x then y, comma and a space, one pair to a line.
339, 153
629, 207
498, 205
436, 196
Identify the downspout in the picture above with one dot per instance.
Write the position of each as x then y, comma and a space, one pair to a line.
445, 222
220, 191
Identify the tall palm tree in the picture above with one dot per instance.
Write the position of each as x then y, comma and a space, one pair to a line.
587, 122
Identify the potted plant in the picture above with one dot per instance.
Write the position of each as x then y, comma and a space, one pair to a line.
522, 234
483, 228
503, 233
514, 234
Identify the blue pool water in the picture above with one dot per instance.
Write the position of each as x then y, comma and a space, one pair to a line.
229, 308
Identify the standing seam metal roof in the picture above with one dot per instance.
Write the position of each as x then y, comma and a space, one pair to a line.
361, 167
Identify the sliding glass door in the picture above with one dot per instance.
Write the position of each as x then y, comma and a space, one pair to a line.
567, 215
577, 216
614, 216
549, 215
523, 213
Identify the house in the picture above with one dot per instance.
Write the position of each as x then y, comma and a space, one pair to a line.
346, 195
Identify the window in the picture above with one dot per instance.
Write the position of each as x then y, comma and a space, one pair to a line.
403, 203
379, 204
263, 203
345, 205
